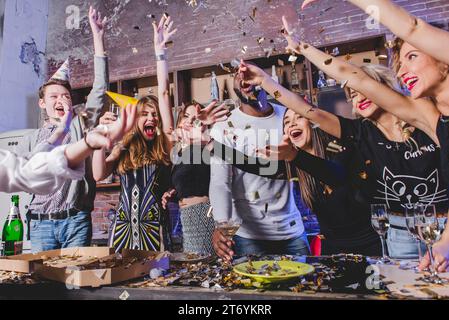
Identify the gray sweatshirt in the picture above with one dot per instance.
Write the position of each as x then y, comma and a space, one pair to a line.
267, 207
81, 193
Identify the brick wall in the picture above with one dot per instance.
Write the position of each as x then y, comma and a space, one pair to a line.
224, 26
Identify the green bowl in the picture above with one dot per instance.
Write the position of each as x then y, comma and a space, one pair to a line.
288, 270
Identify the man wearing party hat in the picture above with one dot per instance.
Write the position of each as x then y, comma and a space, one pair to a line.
63, 219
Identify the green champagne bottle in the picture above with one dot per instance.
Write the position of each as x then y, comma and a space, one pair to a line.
12, 236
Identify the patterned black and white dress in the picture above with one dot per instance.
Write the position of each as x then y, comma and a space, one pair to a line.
140, 221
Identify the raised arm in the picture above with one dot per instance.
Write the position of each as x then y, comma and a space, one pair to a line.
162, 34
419, 113
96, 98
429, 39
253, 75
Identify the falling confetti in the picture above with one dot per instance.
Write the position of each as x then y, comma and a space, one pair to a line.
244, 49
344, 84
208, 50
260, 40
335, 52
277, 95
292, 58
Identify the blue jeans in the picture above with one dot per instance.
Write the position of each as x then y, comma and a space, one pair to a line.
295, 246
72, 232
400, 243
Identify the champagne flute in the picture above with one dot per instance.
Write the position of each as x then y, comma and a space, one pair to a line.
115, 110
430, 231
410, 222
381, 224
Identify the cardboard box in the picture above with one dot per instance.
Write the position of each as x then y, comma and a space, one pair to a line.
72, 273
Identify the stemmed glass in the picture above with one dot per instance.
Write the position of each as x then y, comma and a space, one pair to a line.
410, 222
229, 227
429, 230
381, 224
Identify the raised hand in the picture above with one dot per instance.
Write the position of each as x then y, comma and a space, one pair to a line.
251, 75
285, 151
212, 114
163, 33
124, 124
97, 24
293, 44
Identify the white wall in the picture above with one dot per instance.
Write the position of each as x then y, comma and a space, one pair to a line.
24, 20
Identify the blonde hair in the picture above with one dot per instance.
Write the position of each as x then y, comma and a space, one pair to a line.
138, 152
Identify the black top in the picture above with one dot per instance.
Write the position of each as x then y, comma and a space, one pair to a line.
344, 221
443, 136
396, 174
191, 172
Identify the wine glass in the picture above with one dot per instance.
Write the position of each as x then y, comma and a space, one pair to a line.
381, 224
429, 230
115, 110
410, 222
229, 227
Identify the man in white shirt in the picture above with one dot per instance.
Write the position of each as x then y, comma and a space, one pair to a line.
272, 223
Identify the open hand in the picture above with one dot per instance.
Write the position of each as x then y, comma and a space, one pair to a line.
97, 24
163, 33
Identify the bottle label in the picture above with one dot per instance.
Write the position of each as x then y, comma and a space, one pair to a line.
12, 248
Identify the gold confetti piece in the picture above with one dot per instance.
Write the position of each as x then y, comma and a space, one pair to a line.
208, 50
328, 61
344, 84
225, 68
169, 44
230, 124
363, 175
247, 127
389, 44
348, 57
260, 40
305, 46
135, 50
266, 207
321, 30
244, 49
277, 95
254, 12
328, 190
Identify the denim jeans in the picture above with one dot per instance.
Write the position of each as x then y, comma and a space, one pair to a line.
72, 232
400, 243
295, 246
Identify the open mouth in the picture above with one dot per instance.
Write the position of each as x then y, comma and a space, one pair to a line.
296, 134
410, 82
60, 111
149, 131
364, 105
